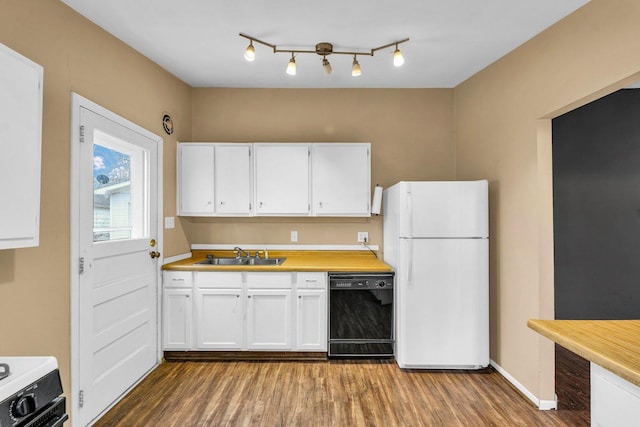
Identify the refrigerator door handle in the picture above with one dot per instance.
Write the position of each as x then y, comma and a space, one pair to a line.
409, 214
410, 266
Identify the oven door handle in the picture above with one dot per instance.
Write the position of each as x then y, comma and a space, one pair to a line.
60, 421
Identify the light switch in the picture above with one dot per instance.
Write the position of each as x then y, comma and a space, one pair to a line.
169, 222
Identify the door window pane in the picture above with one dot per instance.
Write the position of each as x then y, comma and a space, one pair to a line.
119, 194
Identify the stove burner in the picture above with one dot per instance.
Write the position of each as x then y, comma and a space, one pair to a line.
4, 371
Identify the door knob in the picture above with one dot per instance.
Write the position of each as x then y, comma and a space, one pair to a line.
154, 254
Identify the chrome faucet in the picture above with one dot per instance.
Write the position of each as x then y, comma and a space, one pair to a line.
265, 253
241, 253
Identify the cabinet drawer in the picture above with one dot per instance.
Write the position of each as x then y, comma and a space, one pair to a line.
178, 279
218, 279
312, 280
264, 280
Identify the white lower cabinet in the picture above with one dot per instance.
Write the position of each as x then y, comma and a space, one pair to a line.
220, 319
615, 402
219, 310
177, 310
233, 311
177, 316
311, 320
269, 319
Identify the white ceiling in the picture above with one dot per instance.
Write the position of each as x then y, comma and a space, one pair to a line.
198, 41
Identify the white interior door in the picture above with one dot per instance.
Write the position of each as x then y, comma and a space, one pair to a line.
117, 321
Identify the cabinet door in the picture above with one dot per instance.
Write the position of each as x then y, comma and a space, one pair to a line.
282, 179
233, 177
311, 320
220, 319
341, 179
195, 179
20, 149
177, 319
614, 400
269, 319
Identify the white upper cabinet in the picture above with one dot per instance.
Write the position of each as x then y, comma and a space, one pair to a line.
214, 179
274, 179
282, 179
232, 178
195, 179
20, 149
341, 179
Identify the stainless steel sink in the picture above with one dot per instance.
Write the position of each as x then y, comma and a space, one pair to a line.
224, 261
265, 261
241, 261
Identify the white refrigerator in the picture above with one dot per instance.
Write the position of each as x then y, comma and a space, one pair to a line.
436, 238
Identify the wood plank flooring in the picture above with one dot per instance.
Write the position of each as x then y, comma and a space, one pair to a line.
328, 393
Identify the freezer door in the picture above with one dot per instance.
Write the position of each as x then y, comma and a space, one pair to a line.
443, 304
449, 209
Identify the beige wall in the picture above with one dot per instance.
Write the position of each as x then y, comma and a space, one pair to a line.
503, 133
76, 56
410, 131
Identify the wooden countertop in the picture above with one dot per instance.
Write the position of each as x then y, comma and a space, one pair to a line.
612, 344
341, 261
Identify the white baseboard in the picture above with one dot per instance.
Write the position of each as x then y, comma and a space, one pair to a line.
543, 405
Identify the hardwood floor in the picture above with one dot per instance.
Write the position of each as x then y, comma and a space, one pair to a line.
327, 393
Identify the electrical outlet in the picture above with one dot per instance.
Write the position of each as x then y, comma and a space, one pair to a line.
294, 236
363, 236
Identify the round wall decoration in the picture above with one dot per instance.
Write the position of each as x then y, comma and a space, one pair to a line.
167, 124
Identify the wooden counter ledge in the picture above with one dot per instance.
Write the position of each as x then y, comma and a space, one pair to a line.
612, 344
345, 261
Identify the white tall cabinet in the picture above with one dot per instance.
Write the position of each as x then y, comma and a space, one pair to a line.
20, 149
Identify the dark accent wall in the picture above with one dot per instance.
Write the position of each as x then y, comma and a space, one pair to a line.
596, 185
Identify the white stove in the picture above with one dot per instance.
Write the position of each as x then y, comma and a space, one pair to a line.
30, 390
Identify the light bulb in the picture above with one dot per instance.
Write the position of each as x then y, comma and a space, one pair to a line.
326, 67
291, 68
398, 59
250, 52
355, 69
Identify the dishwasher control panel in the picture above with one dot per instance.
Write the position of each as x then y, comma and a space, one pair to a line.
361, 281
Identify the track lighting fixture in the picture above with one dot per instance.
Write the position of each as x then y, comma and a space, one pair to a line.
355, 68
324, 49
250, 52
326, 67
398, 59
291, 68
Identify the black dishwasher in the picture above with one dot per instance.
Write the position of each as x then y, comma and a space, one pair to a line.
361, 315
